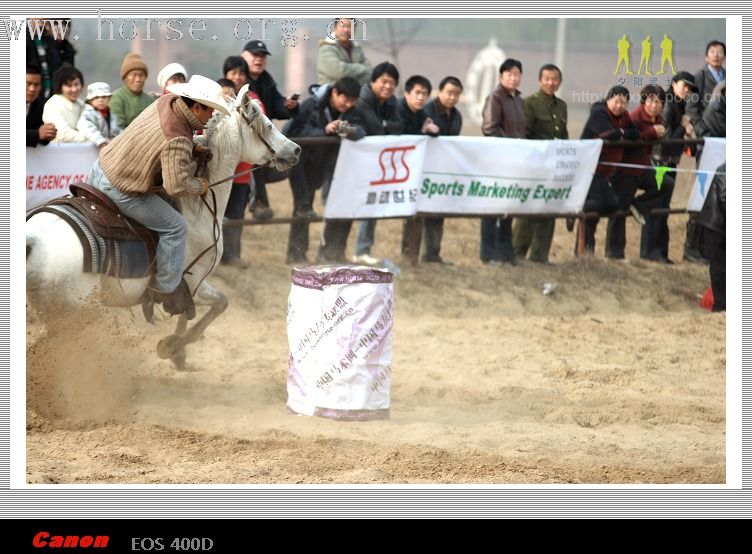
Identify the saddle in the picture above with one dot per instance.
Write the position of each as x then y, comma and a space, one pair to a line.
112, 243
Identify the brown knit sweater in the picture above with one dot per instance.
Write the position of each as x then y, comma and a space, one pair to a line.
155, 150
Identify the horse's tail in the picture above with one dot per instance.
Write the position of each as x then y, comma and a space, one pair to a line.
33, 251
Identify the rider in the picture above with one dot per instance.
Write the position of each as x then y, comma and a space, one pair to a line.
154, 153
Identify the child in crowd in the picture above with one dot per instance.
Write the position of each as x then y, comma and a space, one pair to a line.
96, 122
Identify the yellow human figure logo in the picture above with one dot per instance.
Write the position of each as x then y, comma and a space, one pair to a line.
623, 45
646, 53
667, 54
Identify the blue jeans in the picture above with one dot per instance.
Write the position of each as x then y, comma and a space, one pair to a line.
156, 214
365, 237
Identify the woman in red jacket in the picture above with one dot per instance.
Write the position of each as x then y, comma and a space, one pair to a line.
647, 118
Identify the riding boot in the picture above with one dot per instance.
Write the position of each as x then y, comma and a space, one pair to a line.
179, 301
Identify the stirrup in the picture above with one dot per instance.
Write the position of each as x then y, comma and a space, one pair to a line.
177, 302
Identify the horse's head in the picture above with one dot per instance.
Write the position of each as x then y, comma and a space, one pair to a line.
262, 142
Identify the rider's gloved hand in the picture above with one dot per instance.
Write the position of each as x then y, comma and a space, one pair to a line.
200, 150
204, 185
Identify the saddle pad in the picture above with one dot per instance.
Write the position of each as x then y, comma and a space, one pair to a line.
125, 259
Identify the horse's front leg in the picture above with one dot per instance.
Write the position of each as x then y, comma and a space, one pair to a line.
173, 346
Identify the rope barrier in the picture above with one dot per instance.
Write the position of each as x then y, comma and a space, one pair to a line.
664, 167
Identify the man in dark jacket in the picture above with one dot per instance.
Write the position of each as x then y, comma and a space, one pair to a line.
379, 115
329, 112
713, 122
444, 114
503, 116
610, 121
37, 132
706, 79
416, 122
443, 111
713, 220
277, 107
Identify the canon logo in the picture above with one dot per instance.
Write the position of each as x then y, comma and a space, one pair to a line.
44, 540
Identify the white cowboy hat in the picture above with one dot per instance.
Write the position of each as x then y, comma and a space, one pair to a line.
202, 90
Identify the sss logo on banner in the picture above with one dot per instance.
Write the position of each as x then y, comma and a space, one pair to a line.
391, 171
377, 177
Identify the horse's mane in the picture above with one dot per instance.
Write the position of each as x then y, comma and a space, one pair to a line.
218, 131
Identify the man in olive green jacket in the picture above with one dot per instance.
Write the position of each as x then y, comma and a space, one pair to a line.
546, 117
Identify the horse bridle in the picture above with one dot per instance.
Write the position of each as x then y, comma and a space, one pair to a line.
261, 138
246, 171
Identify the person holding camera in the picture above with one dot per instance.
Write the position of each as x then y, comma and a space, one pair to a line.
329, 112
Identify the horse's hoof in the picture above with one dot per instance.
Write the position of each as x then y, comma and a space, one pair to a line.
179, 361
170, 347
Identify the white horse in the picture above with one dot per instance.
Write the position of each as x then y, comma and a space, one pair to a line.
56, 282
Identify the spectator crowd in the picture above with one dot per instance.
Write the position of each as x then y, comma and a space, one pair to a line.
354, 99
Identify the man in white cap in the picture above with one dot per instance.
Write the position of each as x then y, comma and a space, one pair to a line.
155, 153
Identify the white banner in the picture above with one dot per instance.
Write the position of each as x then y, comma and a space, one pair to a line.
400, 175
713, 155
507, 176
377, 177
51, 169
